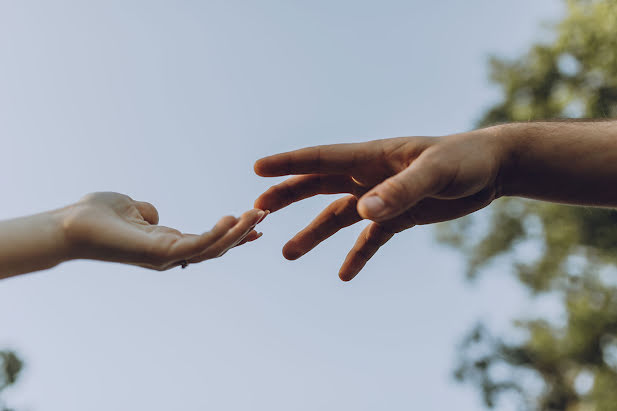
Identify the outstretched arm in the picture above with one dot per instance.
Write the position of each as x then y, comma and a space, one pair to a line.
113, 227
564, 162
402, 182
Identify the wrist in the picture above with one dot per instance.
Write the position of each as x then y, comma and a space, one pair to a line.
511, 144
59, 223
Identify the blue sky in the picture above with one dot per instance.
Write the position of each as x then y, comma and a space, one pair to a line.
171, 102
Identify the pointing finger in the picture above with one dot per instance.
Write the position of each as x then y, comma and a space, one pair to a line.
327, 159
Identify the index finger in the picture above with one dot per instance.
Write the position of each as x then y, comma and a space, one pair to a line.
327, 159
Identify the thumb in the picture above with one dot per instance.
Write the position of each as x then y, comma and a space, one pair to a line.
398, 193
148, 212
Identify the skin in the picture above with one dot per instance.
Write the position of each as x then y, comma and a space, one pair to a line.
113, 227
399, 183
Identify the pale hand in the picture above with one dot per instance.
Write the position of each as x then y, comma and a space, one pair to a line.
113, 227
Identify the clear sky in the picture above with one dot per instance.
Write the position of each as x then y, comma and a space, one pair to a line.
171, 102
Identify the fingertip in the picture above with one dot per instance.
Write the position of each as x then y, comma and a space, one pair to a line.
291, 253
263, 216
255, 213
264, 202
260, 167
260, 203
252, 236
346, 276
350, 267
254, 216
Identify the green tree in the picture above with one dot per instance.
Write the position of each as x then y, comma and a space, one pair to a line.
10, 366
569, 364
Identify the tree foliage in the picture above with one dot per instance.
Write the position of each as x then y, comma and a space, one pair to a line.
568, 363
10, 366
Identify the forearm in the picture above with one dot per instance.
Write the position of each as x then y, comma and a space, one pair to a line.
565, 162
31, 243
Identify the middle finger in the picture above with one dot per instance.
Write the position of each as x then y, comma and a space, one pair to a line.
339, 214
301, 187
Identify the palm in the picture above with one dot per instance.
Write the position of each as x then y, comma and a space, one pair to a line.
113, 227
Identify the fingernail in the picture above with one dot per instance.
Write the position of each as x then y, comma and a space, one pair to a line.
262, 216
374, 206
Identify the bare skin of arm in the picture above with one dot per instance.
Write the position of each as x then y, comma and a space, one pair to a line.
113, 227
402, 182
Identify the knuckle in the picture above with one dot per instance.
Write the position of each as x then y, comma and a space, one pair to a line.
318, 158
89, 197
373, 233
373, 239
364, 254
343, 212
228, 221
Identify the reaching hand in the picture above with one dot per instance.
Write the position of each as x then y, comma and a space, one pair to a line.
113, 227
398, 183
